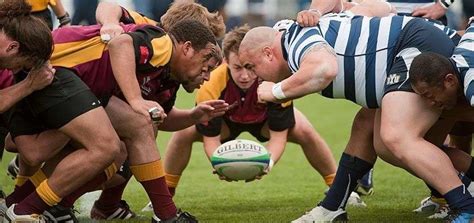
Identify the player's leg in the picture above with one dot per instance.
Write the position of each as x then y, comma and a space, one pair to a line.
357, 160
143, 155
404, 120
178, 154
314, 147
69, 106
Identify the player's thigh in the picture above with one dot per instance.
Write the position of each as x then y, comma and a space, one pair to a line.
125, 121
302, 130
406, 115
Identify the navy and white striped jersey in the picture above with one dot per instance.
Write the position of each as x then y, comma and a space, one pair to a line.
463, 56
365, 49
406, 7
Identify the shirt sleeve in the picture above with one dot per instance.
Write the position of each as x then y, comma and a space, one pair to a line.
463, 56
152, 46
132, 17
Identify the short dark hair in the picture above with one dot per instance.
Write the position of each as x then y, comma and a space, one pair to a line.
195, 32
430, 68
34, 36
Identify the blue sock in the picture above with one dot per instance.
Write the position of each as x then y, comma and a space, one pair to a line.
366, 180
464, 180
470, 172
434, 192
460, 199
350, 170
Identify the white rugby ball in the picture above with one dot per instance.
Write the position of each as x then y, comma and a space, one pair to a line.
240, 159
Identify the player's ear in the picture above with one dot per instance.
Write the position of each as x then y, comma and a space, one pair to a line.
267, 52
187, 48
450, 80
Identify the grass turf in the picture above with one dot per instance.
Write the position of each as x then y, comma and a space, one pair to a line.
292, 187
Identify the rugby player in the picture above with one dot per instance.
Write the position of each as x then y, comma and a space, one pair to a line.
275, 123
92, 63
50, 108
351, 61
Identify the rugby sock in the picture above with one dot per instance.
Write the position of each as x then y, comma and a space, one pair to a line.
21, 192
39, 201
151, 176
434, 192
38, 178
173, 180
328, 179
459, 198
470, 172
92, 185
110, 198
350, 169
20, 180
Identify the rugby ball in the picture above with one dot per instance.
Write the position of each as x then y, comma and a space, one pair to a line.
240, 159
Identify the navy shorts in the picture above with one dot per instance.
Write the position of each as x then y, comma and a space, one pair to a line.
417, 36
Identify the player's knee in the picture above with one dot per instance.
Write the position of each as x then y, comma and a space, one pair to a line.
32, 158
108, 149
391, 138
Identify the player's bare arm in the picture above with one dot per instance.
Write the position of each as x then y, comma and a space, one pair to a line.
123, 65
317, 70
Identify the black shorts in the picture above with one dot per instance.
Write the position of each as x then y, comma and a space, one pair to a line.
462, 129
417, 36
52, 107
235, 129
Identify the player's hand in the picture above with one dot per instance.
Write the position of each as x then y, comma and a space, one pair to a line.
40, 77
258, 177
222, 177
265, 172
205, 111
308, 17
109, 31
150, 109
434, 11
264, 92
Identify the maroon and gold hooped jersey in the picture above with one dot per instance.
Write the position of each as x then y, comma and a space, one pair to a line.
80, 49
247, 110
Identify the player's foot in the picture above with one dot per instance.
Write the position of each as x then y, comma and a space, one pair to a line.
442, 212
363, 190
320, 214
355, 201
365, 185
459, 217
13, 168
121, 212
10, 216
3, 209
181, 217
430, 205
60, 214
148, 207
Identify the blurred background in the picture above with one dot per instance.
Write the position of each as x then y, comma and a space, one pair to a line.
237, 12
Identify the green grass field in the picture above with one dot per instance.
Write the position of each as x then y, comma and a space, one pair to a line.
292, 187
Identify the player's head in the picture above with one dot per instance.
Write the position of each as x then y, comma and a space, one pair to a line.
257, 55
433, 77
195, 53
241, 76
25, 41
193, 11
